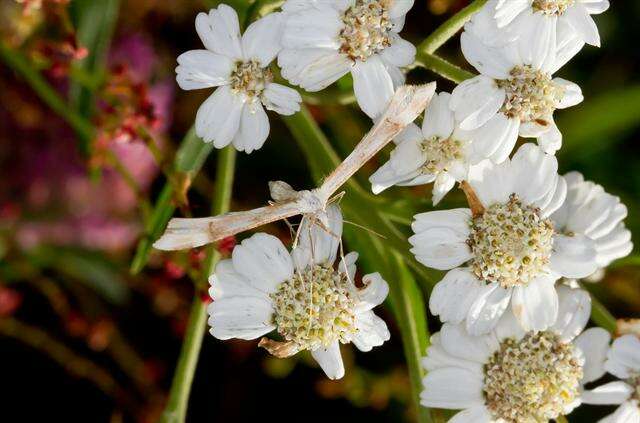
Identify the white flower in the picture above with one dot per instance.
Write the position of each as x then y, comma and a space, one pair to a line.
239, 67
511, 376
513, 254
515, 93
623, 361
536, 23
325, 39
310, 304
441, 152
590, 211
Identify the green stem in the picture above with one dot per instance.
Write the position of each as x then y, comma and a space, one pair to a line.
189, 158
448, 29
408, 304
176, 410
442, 67
601, 316
329, 97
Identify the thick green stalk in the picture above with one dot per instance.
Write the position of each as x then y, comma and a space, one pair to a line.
601, 316
448, 29
176, 410
442, 67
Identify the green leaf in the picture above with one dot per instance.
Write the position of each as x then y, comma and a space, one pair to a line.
411, 318
595, 125
95, 22
87, 267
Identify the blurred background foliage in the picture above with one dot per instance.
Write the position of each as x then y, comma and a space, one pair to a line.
96, 155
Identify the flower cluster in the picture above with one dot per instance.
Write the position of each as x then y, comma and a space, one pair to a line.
513, 313
311, 304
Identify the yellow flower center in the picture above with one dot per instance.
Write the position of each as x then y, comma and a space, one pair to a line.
366, 29
441, 154
532, 380
250, 79
552, 7
511, 243
315, 308
531, 95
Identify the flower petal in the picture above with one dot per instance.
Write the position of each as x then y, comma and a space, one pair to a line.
495, 139
486, 59
283, 100
623, 359
594, 344
483, 177
319, 236
443, 184
264, 261
317, 27
227, 282
400, 53
330, 360
536, 304
220, 31
475, 414
218, 118
371, 331
610, 393
440, 239
438, 358
373, 293
569, 43
551, 140
403, 165
240, 317
254, 129
572, 93
261, 39
438, 118
573, 256
475, 101
399, 8
574, 309
460, 343
595, 7
537, 41
313, 69
579, 18
372, 86
442, 389
452, 297
202, 69
628, 412
491, 302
